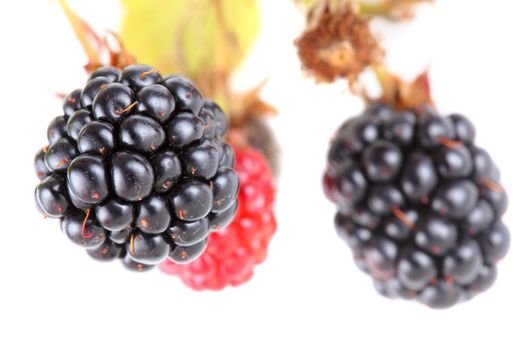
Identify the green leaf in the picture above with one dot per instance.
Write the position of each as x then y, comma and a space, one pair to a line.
190, 37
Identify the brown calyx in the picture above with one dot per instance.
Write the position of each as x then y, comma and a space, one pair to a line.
399, 94
248, 114
338, 43
249, 105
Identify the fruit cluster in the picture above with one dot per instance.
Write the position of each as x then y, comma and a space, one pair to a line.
136, 168
418, 203
234, 252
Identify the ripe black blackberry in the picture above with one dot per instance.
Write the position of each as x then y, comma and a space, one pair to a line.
131, 167
418, 203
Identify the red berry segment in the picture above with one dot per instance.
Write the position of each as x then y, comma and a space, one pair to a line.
232, 253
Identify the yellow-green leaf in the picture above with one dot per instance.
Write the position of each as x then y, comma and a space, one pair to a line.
190, 37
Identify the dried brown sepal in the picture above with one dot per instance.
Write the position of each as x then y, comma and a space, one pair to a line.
396, 10
100, 50
338, 43
118, 55
248, 128
404, 95
239, 107
257, 134
249, 105
215, 84
260, 136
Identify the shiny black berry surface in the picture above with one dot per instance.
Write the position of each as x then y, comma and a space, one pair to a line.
136, 168
419, 204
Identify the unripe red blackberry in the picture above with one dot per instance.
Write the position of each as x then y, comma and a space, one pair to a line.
419, 204
234, 251
132, 169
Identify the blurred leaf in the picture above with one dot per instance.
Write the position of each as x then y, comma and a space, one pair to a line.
190, 37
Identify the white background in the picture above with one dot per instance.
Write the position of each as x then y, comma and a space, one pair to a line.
308, 293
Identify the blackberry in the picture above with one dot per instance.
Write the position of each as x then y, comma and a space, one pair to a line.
419, 204
136, 168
